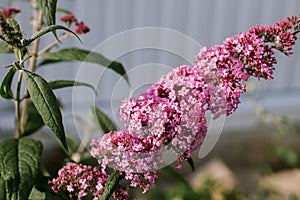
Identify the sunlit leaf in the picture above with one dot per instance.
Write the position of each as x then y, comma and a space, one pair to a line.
46, 104
4, 48
37, 195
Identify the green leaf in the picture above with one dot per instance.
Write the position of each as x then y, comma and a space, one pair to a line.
72, 145
56, 196
191, 162
2, 189
34, 120
82, 55
63, 10
87, 159
288, 156
44, 189
174, 173
103, 122
5, 88
48, 8
48, 29
19, 166
68, 83
37, 195
112, 183
46, 104
5, 48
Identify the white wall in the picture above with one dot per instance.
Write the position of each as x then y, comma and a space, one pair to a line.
208, 22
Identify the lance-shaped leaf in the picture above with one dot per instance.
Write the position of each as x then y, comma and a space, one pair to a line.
63, 10
46, 104
4, 48
82, 55
191, 163
48, 29
58, 84
175, 174
5, 88
48, 8
34, 120
103, 122
111, 185
19, 166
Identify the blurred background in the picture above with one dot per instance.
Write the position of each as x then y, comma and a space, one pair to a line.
259, 142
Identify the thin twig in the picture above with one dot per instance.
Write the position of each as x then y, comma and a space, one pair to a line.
36, 27
83, 143
51, 45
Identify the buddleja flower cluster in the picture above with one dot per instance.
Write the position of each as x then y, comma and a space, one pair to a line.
170, 116
79, 180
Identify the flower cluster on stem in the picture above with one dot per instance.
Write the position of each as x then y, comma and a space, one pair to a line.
170, 115
79, 180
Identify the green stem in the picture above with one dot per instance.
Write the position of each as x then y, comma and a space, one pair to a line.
17, 106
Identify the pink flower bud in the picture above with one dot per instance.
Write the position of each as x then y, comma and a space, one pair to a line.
9, 12
68, 18
81, 28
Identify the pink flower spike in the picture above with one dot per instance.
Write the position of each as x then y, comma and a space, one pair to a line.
81, 28
10, 12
